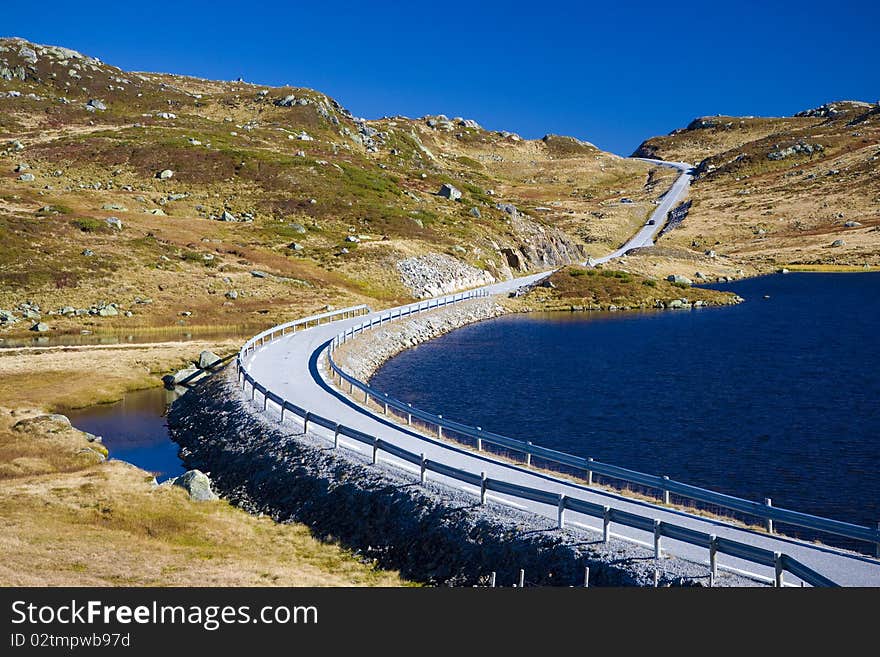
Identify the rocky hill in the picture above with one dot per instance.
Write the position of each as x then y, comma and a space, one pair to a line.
134, 200
790, 191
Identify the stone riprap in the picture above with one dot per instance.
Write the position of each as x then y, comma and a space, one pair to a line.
435, 274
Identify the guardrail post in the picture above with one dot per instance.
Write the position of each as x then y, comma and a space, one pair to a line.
366, 397
409, 416
877, 546
479, 441
375, 451
656, 578
713, 559
586, 577
769, 523
665, 490
482, 488
492, 579
560, 515
386, 403
423, 475
282, 410
522, 578
350, 388
529, 453
606, 524
658, 549
336, 437
590, 473
253, 390
306, 418
265, 401
439, 427
777, 567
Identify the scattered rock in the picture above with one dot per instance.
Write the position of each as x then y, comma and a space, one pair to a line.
475, 212
256, 273
450, 192
197, 484
40, 327
232, 294
208, 359
838, 243
678, 278
97, 104
165, 174
49, 423
26, 177
852, 224
114, 222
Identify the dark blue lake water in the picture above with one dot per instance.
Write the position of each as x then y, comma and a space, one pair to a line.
134, 430
774, 398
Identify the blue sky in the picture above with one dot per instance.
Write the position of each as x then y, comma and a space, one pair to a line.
613, 73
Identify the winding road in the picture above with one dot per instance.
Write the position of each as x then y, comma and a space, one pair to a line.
291, 367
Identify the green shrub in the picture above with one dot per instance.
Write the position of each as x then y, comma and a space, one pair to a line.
89, 225
649, 283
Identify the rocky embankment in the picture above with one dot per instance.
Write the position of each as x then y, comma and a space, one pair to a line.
435, 274
364, 355
431, 533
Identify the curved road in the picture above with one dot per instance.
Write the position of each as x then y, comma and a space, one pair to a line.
291, 366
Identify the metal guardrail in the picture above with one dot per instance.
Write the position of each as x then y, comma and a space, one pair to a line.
660, 529
667, 486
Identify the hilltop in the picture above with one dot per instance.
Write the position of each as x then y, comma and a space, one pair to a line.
134, 200
788, 191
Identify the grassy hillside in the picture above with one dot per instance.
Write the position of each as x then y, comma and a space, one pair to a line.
801, 190
319, 204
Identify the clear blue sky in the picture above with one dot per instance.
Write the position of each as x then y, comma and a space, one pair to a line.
596, 72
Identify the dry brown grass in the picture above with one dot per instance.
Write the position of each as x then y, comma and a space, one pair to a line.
69, 519
73, 377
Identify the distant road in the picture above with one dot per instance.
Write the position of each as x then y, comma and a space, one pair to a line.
289, 367
645, 235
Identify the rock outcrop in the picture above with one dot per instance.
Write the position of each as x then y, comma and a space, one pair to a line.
434, 274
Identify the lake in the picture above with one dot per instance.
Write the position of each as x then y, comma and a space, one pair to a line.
775, 397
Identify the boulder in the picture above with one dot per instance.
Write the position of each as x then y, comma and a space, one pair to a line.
509, 208
352, 239
852, 224
208, 359
256, 273
450, 192
228, 216
838, 243
197, 484
40, 327
49, 423
475, 212
165, 174
678, 278
108, 311
97, 104
7, 317
232, 294
26, 177
87, 252
114, 222
675, 303
115, 207
298, 228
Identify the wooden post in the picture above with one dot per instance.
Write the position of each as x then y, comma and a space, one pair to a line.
769, 502
658, 550
492, 579
586, 576
606, 524
590, 473
375, 451
424, 470
522, 578
560, 515
336, 437
777, 567
665, 490
482, 488
529, 453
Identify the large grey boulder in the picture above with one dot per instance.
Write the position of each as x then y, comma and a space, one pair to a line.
49, 423
165, 174
114, 222
40, 327
450, 192
97, 104
7, 317
26, 177
208, 359
838, 243
678, 278
197, 484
